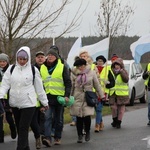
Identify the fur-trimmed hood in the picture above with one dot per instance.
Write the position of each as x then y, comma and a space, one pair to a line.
118, 61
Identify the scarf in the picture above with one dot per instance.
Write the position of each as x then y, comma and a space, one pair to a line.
82, 78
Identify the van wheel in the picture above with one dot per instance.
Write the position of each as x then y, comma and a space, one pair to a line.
132, 98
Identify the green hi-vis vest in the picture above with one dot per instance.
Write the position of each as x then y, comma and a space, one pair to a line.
104, 77
120, 88
148, 69
38, 104
92, 66
6, 96
53, 83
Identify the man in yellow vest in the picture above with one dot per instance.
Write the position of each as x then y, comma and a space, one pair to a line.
146, 77
119, 93
57, 82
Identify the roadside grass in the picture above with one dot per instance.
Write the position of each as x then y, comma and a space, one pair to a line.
67, 117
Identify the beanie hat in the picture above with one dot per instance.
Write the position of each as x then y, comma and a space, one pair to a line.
53, 52
55, 48
79, 62
4, 57
101, 57
114, 57
22, 54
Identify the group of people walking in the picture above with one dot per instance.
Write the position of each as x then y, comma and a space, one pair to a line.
30, 94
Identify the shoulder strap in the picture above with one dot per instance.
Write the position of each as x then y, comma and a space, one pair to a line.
32, 67
12, 68
33, 72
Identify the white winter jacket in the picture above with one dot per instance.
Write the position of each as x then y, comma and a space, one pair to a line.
23, 93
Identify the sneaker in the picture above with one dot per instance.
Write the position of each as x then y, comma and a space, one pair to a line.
57, 141
38, 143
80, 139
148, 123
72, 123
46, 142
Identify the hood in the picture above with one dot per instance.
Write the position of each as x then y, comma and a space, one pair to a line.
27, 50
118, 61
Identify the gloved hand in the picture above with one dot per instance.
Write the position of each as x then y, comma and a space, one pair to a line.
106, 82
148, 72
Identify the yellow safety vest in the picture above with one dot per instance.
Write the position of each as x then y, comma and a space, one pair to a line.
120, 88
92, 66
6, 96
104, 77
148, 69
53, 83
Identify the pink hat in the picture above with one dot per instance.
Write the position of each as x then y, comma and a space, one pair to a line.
22, 54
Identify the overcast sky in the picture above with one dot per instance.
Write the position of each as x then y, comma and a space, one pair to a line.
140, 22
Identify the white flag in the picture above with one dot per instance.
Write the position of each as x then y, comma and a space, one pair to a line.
74, 51
100, 48
140, 47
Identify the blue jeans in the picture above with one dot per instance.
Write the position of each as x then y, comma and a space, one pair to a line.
98, 110
57, 111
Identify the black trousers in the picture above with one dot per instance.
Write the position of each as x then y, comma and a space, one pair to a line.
35, 124
83, 123
23, 118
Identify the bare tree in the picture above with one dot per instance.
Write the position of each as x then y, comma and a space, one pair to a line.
32, 18
113, 19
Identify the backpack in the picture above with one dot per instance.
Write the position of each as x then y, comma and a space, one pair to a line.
32, 68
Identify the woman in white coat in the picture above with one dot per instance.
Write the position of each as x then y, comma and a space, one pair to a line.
23, 91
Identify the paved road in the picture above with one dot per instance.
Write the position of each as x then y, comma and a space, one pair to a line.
132, 136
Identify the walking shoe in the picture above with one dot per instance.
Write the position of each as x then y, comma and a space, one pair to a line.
87, 136
46, 142
72, 123
38, 143
148, 123
97, 127
80, 139
57, 141
101, 126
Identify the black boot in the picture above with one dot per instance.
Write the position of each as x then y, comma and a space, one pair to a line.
13, 131
118, 125
114, 123
80, 139
2, 137
87, 136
